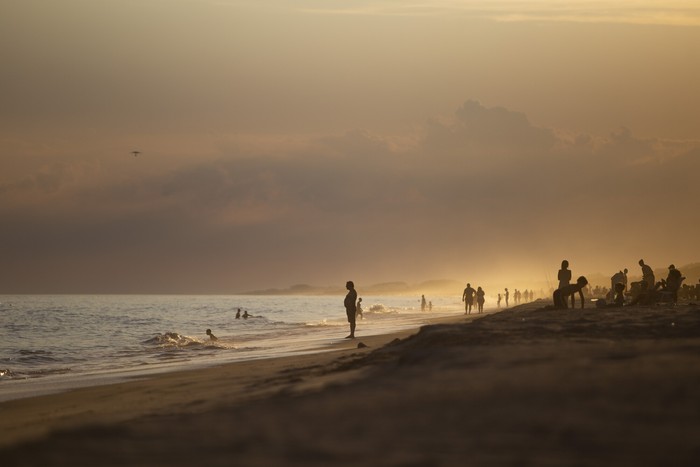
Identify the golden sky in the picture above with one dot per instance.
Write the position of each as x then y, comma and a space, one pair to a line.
287, 142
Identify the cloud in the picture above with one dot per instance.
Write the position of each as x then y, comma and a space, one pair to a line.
671, 13
483, 189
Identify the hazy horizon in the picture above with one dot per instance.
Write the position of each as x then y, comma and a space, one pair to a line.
305, 142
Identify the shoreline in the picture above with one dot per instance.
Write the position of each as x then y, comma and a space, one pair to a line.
28, 417
523, 386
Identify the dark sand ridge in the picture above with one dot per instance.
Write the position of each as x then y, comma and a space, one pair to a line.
525, 386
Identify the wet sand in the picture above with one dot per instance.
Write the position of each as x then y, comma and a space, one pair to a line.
525, 386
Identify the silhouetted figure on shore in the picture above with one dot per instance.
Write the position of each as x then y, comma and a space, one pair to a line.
619, 278
644, 295
561, 296
350, 307
468, 298
647, 275
211, 336
499, 301
358, 308
617, 297
423, 303
673, 282
507, 294
619, 288
480, 299
564, 276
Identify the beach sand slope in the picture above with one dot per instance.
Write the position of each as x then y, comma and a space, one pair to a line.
526, 386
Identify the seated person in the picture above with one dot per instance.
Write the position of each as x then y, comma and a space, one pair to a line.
618, 298
645, 296
561, 295
674, 281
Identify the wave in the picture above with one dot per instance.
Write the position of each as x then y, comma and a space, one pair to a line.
174, 340
8, 374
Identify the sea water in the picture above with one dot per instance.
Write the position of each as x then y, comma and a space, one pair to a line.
50, 343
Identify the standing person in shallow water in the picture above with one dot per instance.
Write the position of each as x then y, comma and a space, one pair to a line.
350, 307
507, 294
468, 298
564, 276
561, 296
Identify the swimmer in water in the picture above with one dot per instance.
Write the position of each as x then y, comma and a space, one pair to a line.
211, 336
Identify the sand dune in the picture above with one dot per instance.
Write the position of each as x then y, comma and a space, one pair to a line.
525, 386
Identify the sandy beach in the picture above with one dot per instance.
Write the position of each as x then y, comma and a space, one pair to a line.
525, 386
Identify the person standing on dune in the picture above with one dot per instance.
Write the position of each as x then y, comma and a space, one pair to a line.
564, 276
350, 307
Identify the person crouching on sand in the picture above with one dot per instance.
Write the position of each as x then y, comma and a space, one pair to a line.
561, 295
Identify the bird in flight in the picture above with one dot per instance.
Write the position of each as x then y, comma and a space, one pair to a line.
135, 153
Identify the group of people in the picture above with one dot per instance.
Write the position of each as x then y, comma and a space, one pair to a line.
468, 298
648, 291
245, 314
644, 292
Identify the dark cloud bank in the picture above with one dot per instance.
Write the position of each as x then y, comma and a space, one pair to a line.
483, 194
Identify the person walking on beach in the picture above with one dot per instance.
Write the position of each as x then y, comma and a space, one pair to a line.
561, 296
480, 299
423, 303
358, 309
468, 299
564, 276
507, 294
350, 307
499, 301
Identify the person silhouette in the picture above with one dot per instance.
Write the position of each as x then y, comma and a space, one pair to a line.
350, 307
674, 281
423, 303
618, 278
498, 303
564, 276
358, 309
468, 298
211, 336
648, 275
562, 295
238, 314
480, 299
507, 294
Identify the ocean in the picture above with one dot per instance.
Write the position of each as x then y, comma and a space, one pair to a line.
50, 343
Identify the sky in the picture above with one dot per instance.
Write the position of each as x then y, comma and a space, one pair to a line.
313, 142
